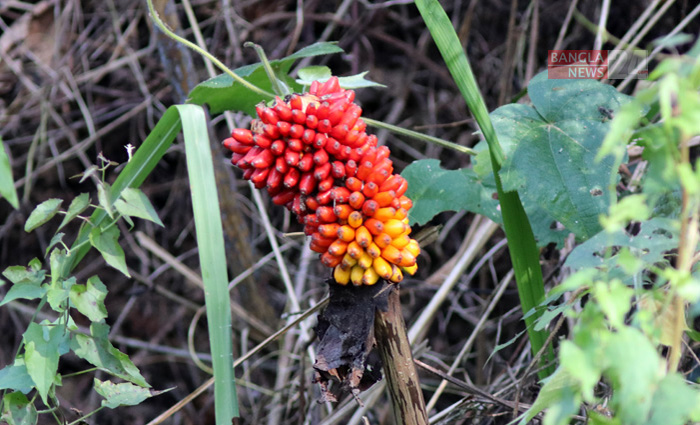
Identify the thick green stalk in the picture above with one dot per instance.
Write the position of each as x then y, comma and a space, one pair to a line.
521, 241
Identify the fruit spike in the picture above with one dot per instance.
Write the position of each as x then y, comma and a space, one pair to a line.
312, 154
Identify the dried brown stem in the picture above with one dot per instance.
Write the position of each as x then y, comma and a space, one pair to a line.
399, 370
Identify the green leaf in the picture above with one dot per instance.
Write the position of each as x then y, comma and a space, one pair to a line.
557, 389
58, 293
673, 402
17, 410
322, 73
116, 395
24, 275
7, 182
42, 213
57, 238
77, 206
25, 291
107, 242
555, 145
97, 350
222, 93
15, 377
135, 203
103, 191
212, 258
654, 238
89, 299
434, 190
634, 368
58, 262
43, 346
614, 300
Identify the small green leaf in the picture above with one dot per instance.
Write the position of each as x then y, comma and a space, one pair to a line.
77, 206
42, 213
313, 73
58, 293
97, 350
89, 299
58, 262
116, 395
434, 190
222, 93
17, 410
134, 203
614, 300
15, 377
103, 190
7, 183
107, 242
24, 275
43, 346
57, 238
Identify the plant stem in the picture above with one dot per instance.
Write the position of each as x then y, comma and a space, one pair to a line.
420, 136
399, 370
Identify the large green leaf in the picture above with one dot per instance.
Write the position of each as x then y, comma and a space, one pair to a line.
16, 377
433, 190
222, 93
43, 345
89, 298
135, 203
97, 350
555, 144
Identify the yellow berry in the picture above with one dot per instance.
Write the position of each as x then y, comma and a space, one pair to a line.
341, 276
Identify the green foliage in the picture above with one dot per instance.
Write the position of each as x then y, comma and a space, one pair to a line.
222, 93
639, 270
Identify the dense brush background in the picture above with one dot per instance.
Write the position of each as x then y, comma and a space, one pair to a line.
84, 78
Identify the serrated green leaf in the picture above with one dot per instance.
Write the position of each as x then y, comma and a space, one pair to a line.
103, 190
221, 93
116, 395
77, 206
434, 190
135, 203
42, 213
107, 242
17, 410
89, 299
97, 350
42, 348
7, 182
15, 377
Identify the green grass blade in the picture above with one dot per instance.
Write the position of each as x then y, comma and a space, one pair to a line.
7, 183
133, 174
210, 240
521, 241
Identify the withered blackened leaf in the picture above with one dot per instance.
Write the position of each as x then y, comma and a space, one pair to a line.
346, 337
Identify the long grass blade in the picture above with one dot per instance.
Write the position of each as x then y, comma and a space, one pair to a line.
521, 241
212, 259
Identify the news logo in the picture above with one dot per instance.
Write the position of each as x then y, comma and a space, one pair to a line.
597, 64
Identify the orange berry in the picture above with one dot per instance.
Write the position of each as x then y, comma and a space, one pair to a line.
382, 240
365, 260
339, 247
354, 184
329, 230
396, 275
369, 208
346, 233
370, 276
330, 260
356, 200
342, 211
384, 214
355, 250
401, 241
382, 267
413, 247
363, 236
394, 227
374, 226
374, 250
392, 254
384, 198
356, 275
355, 219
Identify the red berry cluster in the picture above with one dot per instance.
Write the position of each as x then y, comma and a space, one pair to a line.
314, 157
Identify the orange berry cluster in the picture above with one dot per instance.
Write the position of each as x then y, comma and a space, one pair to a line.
314, 157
